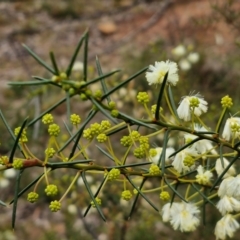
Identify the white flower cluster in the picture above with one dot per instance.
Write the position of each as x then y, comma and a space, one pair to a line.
231, 128
156, 73
185, 109
185, 216
221, 165
178, 162
226, 226
5, 178
229, 195
168, 152
185, 57
203, 177
194, 104
229, 203
199, 148
182, 216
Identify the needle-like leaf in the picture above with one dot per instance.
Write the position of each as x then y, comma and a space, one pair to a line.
39, 60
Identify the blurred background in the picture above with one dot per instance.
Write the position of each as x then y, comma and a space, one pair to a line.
203, 36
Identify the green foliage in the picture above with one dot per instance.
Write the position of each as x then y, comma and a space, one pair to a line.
188, 179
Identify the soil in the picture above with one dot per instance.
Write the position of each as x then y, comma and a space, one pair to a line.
136, 23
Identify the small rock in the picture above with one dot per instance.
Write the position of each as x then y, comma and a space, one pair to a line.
107, 27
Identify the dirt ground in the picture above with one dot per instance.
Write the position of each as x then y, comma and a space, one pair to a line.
137, 24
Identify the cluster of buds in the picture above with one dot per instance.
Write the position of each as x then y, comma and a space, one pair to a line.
23, 138
97, 130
